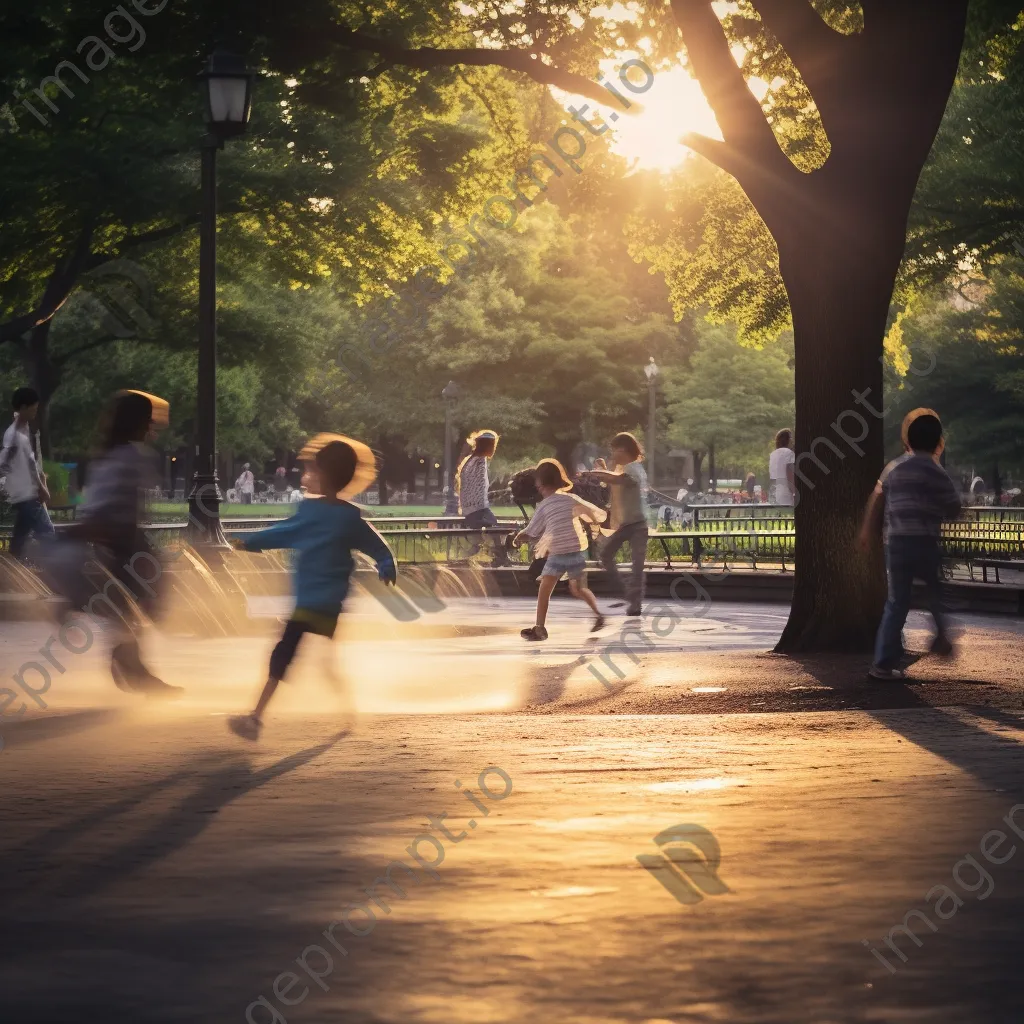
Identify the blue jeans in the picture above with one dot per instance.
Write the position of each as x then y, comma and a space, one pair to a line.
30, 517
907, 558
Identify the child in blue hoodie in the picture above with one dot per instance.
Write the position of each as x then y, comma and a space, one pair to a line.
324, 533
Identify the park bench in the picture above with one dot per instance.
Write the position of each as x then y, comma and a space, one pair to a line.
993, 563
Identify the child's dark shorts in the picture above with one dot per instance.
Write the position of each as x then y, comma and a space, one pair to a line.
303, 621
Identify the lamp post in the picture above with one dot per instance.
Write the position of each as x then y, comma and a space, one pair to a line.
228, 89
451, 502
651, 373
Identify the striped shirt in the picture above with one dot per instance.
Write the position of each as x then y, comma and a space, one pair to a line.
473, 485
556, 526
918, 496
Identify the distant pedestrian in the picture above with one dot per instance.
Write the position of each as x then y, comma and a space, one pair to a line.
749, 484
917, 496
781, 468
246, 484
472, 482
628, 520
558, 535
24, 481
281, 485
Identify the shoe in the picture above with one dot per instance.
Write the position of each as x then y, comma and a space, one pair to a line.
877, 672
634, 611
942, 646
598, 624
246, 726
534, 633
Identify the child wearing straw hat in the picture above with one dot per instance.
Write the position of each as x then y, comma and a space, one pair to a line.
324, 532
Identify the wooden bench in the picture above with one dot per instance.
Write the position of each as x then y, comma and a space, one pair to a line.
993, 563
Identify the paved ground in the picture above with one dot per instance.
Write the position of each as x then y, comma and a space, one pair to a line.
156, 869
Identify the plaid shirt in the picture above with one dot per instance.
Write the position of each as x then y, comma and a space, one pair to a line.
918, 495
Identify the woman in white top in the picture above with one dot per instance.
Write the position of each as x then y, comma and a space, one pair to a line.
780, 468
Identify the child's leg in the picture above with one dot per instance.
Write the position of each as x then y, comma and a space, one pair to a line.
889, 643
578, 589
281, 657
547, 584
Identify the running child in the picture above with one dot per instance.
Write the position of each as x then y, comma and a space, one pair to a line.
628, 484
916, 495
558, 533
324, 533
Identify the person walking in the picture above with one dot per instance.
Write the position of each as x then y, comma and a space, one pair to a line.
781, 468
628, 520
472, 483
24, 482
246, 484
913, 497
281, 487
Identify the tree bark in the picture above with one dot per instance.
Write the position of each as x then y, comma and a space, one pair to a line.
839, 295
698, 460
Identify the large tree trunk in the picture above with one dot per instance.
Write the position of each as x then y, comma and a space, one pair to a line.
839, 294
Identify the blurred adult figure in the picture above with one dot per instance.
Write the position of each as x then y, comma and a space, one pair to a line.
749, 484
781, 462
281, 485
246, 484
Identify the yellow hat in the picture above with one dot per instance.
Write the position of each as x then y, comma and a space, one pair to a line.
366, 463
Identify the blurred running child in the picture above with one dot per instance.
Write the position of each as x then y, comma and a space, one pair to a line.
24, 482
917, 496
558, 533
324, 532
628, 522
110, 520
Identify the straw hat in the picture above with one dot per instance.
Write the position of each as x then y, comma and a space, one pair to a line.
366, 463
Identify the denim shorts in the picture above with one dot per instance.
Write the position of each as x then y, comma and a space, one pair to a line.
574, 566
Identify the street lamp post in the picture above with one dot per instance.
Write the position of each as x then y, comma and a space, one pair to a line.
228, 86
651, 373
451, 502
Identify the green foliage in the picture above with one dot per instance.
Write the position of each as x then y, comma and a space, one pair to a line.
732, 397
967, 363
57, 482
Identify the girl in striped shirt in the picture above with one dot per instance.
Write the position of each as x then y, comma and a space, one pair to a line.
557, 533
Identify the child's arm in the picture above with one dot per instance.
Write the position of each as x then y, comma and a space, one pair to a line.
280, 535
605, 476
585, 510
533, 530
872, 518
371, 543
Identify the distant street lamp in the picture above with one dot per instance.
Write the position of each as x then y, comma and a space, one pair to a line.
651, 373
228, 86
451, 502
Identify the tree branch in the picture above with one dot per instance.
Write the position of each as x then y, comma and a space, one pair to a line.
526, 62
738, 112
816, 50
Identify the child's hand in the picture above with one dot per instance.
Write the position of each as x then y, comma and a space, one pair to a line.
863, 542
599, 464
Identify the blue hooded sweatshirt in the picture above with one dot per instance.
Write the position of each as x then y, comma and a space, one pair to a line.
324, 534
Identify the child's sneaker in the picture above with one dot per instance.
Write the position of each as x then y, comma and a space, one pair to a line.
534, 633
599, 623
246, 726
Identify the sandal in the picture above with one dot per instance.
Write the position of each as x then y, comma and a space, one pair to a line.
534, 633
